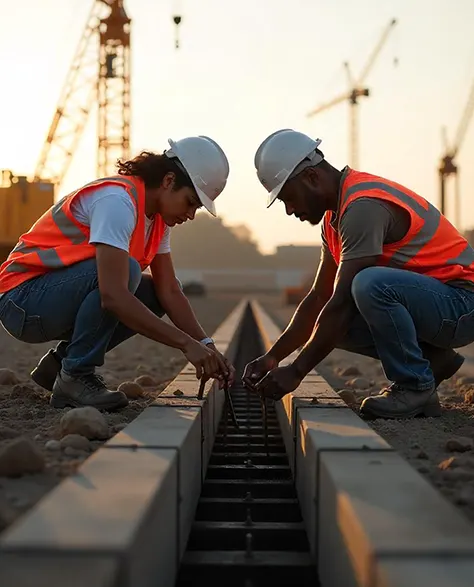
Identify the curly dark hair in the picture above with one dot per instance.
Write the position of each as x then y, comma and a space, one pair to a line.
152, 168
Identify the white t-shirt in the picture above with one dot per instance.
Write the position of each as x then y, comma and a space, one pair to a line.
111, 216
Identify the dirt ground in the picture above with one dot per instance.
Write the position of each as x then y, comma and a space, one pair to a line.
25, 411
439, 448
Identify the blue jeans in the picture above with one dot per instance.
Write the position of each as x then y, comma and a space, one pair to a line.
404, 317
65, 305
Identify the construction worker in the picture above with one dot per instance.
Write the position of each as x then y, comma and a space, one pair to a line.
395, 280
77, 275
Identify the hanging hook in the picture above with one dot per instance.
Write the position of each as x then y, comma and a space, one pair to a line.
177, 22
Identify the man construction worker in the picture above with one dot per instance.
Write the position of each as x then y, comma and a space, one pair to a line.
395, 280
77, 275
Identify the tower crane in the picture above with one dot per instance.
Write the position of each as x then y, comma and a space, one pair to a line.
448, 165
99, 74
357, 89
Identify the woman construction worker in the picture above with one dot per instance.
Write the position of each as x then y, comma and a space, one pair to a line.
77, 275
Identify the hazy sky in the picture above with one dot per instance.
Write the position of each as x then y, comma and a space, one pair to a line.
246, 68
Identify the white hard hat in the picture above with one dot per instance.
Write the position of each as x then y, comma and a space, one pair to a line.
205, 163
278, 156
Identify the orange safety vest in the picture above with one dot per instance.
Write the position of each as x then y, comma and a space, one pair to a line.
432, 245
58, 240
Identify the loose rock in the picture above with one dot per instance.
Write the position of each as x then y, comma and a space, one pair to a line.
87, 421
421, 454
448, 464
52, 445
145, 381
359, 383
460, 444
74, 452
75, 441
348, 371
469, 397
8, 377
348, 396
131, 389
20, 457
7, 433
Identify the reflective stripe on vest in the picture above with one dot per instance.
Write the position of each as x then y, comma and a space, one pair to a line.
68, 229
431, 220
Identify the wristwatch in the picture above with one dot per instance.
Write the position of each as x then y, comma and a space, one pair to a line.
207, 340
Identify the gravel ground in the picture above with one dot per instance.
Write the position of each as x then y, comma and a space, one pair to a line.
27, 420
442, 448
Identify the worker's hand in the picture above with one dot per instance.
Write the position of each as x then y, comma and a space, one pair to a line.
257, 369
204, 359
228, 370
278, 382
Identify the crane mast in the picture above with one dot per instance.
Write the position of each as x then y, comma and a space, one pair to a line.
99, 74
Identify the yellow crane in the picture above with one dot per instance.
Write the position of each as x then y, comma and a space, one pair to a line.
448, 165
357, 89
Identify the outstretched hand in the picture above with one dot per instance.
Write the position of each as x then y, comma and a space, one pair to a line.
278, 382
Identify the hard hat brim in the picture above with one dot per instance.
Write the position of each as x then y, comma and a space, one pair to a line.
205, 201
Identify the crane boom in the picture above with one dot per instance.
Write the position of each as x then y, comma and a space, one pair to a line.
72, 111
464, 122
375, 53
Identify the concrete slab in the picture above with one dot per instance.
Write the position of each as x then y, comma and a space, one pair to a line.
46, 570
319, 430
179, 428
429, 572
122, 503
374, 505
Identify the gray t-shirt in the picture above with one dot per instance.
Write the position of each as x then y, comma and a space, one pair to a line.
367, 224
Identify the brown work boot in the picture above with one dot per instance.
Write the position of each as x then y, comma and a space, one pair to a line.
85, 390
47, 369
445, 364
396, 402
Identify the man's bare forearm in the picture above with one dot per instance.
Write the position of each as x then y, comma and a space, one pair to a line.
300, 327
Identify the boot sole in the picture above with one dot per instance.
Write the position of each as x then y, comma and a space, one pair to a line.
433, 410
65, 402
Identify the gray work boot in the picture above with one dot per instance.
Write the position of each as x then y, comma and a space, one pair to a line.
85, 390
46, 371
396, 402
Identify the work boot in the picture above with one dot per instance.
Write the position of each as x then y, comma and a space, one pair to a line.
397, 402
445, 364
46, 371
85, 390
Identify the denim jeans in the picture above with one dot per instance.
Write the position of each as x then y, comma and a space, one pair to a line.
404, 317
65, 305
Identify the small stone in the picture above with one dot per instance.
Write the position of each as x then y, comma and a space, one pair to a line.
350, 371
87, 421
74, 452
348, 396
131, 389
75, 441
421, 455
448, 464
20, 457
52, 445
145, 381
178, 392
460, 444
38, 437
469, 397
7, 433
415, 445
359, 383
464, 380
8, 377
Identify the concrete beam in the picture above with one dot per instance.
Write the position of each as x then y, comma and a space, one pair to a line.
372, 519
124, 518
